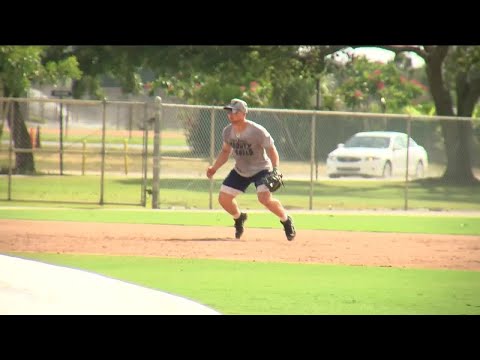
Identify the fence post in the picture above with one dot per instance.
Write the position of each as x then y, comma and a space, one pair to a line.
11, 110
146, 124
406, 166
130, 121
42, 111
32, 137
84, 149
125, 153
67, 119
37, 138
312, 159
156, 154
61, 135
212, 156
102, 170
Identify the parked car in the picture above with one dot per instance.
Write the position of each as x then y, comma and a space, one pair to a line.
377, 154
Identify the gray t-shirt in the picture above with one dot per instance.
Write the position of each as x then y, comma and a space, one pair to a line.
248, 148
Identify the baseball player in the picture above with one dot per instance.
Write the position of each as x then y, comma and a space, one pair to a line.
256, 158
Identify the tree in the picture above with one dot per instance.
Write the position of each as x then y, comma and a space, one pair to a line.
262, 75
123, 63
19, 67
453, 70
366, 83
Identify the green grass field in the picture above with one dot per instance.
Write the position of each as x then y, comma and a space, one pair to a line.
168, 137
193, 193
236, 287
460, 225
242, 287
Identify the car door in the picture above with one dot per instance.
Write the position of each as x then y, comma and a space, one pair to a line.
399, 156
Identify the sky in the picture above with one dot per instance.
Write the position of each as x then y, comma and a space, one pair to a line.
377, 54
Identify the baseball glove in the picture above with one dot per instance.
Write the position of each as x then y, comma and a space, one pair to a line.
273, 180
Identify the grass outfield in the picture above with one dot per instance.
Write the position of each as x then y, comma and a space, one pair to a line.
459, 225
238, 287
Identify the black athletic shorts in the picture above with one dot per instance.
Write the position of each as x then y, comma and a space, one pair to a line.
239, 182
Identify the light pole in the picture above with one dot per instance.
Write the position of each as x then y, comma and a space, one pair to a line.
383, 103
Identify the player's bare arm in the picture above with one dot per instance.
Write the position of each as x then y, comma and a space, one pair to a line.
273, 155
221, 159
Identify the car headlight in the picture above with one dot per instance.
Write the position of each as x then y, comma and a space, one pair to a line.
372, 158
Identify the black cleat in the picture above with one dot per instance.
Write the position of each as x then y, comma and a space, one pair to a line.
239, 225
289, 228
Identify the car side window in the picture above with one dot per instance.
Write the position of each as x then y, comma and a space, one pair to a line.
400, 142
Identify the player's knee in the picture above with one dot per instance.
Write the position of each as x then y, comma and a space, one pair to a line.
224, 198
264, 197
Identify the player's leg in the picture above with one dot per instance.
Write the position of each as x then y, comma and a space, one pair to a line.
234, 185
226, 198
275, 206
265, 197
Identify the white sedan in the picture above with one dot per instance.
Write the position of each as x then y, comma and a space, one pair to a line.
377, 154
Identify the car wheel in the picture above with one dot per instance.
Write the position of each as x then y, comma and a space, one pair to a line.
419, 171
387, 170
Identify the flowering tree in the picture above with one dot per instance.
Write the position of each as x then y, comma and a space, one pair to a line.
370, 85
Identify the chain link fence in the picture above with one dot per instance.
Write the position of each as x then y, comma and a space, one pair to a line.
134, 153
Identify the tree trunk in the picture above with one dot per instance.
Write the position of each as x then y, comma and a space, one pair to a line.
467, 95
457, 134
457, 144
24, 163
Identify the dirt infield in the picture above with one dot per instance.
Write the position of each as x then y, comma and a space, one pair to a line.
310, 246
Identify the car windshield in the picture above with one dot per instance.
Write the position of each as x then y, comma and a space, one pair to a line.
368, 142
